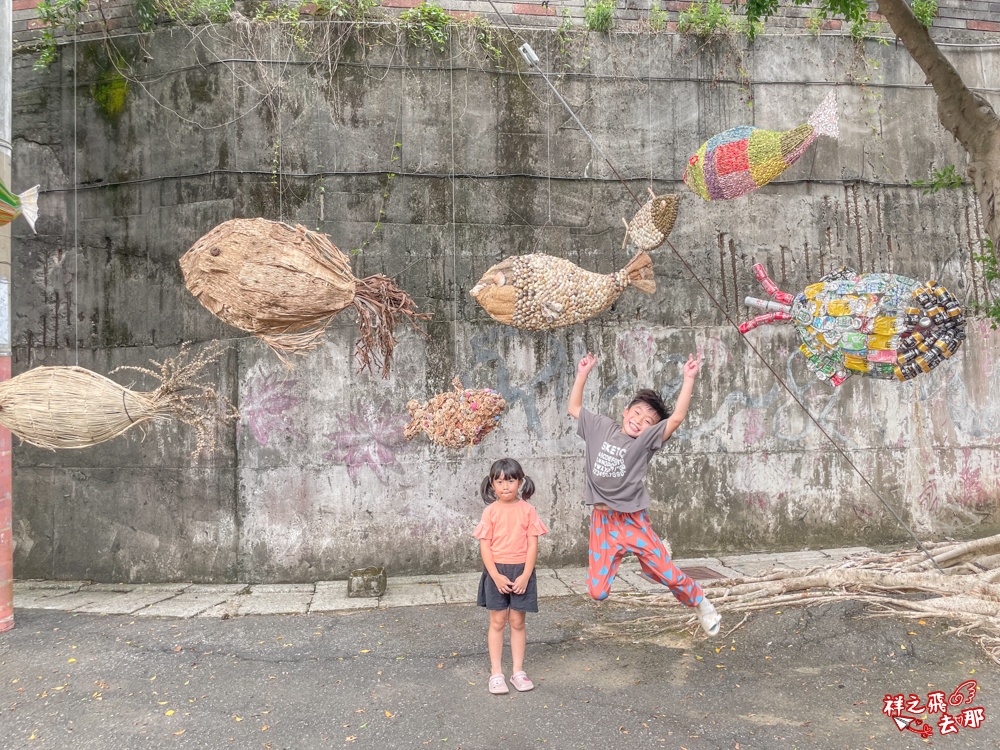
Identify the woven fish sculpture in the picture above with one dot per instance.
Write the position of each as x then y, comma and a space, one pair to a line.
653, 222
72, 407
877, 324
742, 159
285, 284
457, 418
12, 206
540, 292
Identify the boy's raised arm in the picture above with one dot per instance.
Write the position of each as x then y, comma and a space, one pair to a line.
684, 397
576, 395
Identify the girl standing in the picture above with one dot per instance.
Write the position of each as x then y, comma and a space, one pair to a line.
508, 542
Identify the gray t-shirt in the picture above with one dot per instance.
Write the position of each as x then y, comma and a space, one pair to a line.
616, 463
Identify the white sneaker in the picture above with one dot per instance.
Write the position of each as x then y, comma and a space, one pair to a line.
709, 618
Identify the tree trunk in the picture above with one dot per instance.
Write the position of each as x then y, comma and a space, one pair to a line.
965, 114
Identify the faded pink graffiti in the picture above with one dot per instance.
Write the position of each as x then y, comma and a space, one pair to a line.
974, 490
370, 440
265, 409
637, 346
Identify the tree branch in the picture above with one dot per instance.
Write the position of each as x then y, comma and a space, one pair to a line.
965, 114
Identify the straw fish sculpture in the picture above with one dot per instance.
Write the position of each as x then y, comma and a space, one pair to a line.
540, 292
877, 324
457, 418
12, 206
285, 285
742, 159
72, 407
653, 222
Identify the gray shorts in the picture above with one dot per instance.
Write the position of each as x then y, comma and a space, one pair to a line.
491, 598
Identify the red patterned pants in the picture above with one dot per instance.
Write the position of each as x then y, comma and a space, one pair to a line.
612, 534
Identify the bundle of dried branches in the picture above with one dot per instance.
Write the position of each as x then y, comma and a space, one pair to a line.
904, 583
72, 407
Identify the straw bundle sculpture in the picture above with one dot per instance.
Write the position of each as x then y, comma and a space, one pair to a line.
285, 285
72, 407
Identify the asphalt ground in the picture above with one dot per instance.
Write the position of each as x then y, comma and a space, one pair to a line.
415, 677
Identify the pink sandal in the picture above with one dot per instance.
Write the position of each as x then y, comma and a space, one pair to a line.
498, 685
521, 682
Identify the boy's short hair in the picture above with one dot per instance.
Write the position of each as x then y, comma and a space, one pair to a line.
652, 399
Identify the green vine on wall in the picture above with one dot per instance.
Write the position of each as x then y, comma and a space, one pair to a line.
710, 18
946, 178
426, 25
599, 15
991, 273
56, 14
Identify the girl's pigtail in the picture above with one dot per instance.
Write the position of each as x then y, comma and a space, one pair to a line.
486, 490
527, 488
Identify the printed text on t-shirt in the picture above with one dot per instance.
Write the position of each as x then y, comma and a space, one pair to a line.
610, 461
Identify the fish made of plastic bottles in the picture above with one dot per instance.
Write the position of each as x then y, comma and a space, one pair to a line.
539, 292
877, 324
742, 159
12, 206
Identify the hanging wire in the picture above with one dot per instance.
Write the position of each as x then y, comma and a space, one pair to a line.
532, 60
76, 217
559, 96
454, 231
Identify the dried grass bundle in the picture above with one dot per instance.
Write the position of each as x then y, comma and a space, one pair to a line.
72, 407
458, 418
285, 284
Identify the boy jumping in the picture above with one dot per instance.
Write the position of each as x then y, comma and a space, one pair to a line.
617, 457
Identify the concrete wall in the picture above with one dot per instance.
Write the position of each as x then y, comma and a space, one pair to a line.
316, 479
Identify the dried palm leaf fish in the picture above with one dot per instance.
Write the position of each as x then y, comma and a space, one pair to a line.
72, 407
285, 284
653, 222
877, 324
457, 418
540, 292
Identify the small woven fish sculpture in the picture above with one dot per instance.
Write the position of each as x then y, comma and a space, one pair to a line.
285, 284
457, 418
539, 292
653, 222
877, 324
742, 159
12, 206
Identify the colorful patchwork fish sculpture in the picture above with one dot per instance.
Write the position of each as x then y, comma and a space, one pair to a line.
737, 162
876, 324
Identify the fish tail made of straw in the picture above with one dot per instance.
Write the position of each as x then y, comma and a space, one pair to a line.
640, 273
381, 306
183, 393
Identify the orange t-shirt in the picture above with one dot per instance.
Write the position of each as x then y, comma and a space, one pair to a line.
507, 526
